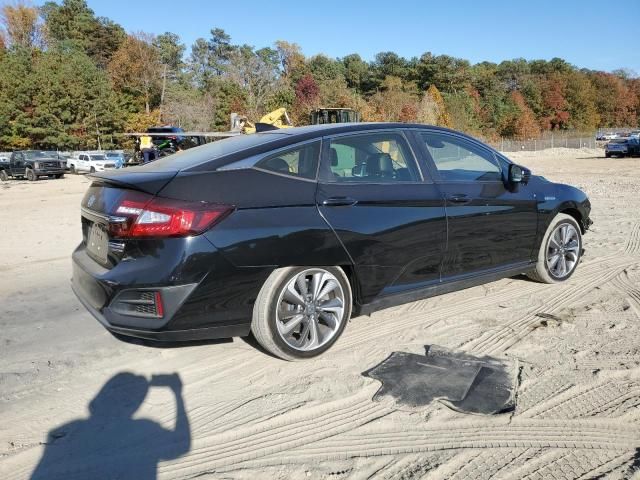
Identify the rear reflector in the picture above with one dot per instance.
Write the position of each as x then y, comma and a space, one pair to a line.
139, 215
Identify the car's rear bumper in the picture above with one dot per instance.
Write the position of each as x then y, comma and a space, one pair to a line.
171, 336
203, 296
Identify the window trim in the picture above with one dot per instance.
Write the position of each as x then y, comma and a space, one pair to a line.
432, 164
324, 155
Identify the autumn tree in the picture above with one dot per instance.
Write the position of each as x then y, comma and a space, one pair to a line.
432, 109
135, 69
21, 26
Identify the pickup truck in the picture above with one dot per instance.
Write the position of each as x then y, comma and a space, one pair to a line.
89, 162
31, 164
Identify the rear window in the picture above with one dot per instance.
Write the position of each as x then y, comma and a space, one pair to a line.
299, 161
211, 151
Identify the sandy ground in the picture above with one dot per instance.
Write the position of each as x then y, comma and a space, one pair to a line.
247, 415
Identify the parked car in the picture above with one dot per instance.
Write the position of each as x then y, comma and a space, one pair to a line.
287, 234
117, 158
89, 162
622, 147
31, 164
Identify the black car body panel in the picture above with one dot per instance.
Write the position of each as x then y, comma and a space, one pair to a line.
397, 241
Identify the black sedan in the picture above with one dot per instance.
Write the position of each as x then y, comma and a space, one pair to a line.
286, 234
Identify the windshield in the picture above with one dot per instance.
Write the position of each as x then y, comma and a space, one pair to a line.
31, 155
98, 157
114, 155
619, 140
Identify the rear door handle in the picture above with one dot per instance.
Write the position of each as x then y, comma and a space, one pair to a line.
459, 198
339, 202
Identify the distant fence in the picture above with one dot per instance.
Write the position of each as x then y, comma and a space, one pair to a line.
510, 145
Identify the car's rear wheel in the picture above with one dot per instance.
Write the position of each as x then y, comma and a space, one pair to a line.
301, 312
59, 175
72, 170
560, 251
3, 176
31, 175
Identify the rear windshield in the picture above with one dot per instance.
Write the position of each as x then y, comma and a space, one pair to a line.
211, 151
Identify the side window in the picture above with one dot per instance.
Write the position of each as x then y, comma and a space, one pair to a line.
297, 162
459, 160
373, 158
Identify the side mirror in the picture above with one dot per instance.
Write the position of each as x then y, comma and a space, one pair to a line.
515, 173
518, 174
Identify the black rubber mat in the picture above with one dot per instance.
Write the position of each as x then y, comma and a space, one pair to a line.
482, 385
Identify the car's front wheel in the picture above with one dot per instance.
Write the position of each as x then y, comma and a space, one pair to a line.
31, 175
560, 251
3, 176
301, 312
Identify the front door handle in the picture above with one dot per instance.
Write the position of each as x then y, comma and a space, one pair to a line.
459, 198
339, 202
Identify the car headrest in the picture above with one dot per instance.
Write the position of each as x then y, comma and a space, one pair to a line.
386, 163
277, 164
333, 156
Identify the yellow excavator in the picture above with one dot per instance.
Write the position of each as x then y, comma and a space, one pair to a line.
277, 119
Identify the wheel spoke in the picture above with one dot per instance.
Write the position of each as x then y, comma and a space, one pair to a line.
573, 245
553, 241
563, 265
301, 282
288, 327
314, 334
553, 261
317, 281
292, 296
329, 319
329, 286
334, 306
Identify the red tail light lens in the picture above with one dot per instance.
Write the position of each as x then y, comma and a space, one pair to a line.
139, 215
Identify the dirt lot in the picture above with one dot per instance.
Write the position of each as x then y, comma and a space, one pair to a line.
247, 415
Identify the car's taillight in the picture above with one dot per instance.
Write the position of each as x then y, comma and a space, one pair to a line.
140, 215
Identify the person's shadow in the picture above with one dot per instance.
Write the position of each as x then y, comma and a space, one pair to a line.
110, 444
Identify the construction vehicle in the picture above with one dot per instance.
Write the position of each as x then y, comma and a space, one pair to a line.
320, 116
273, 120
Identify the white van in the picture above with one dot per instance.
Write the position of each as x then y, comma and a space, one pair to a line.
89, 162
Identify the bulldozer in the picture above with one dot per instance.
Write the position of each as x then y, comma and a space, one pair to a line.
320, 116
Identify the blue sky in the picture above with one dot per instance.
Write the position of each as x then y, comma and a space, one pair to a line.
591, 34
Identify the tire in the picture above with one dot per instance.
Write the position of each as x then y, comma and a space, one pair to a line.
31, 175
274, 310
72, 170
607, 155
92, 170
563, 231
3, 176
59, 175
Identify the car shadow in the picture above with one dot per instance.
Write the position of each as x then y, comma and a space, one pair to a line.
111, 443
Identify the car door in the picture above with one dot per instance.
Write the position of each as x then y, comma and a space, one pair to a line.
388, 216
83, 163
490, 225
17, 163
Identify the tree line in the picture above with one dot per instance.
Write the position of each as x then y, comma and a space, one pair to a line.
68, 77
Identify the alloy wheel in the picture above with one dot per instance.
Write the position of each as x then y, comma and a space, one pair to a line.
563, 250
310, 309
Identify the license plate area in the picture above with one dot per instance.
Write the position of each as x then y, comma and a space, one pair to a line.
98, 243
